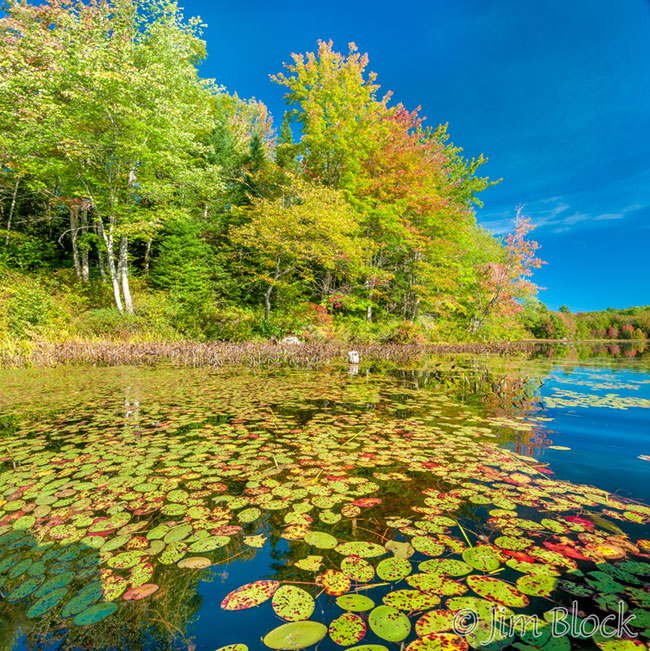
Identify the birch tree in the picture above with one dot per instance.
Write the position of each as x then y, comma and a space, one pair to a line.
107, 97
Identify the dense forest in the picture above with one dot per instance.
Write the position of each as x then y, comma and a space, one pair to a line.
139, 199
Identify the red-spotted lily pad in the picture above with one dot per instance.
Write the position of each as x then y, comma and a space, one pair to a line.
334, 582
411, 600
358, 569
518, 543
439, 642
250, 595
393, 569
295, 635
292, 603
389, 624
537, 585
497, 590
427, 545
347, 629
448, 566
355, 602
435, 621
362, 549
483, 557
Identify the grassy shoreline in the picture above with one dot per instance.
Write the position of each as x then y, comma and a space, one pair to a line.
254, 354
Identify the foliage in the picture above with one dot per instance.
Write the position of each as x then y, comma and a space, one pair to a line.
177, 204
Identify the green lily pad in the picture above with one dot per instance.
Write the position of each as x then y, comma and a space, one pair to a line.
355, 602
389, 624
234, 647
295, 635
180, 532
427, 545
439, 642
320, 539
292, 603
411, 600
208, 544
483, 557
447, 566
347, 629
393, 569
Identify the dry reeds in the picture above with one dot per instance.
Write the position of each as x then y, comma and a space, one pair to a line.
216, 354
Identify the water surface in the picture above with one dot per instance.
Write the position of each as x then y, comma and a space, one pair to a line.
136, 500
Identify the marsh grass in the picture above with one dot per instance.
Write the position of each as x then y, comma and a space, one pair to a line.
40, 353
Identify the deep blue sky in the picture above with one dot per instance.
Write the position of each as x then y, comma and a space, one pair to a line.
556, 93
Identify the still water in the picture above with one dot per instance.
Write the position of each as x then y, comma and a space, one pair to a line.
196, 509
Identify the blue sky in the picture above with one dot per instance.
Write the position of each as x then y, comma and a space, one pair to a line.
556, 93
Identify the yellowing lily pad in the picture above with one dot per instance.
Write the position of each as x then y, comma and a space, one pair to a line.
292, 603
250, 595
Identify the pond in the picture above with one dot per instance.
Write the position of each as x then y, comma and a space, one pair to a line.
418, 507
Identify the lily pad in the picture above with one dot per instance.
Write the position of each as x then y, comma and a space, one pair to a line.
355, 602
292, 603
347, 629
361, 549
94, 614
497, 590
393, 569
295, 635
389, 624
320, 539
483, 557
250, 595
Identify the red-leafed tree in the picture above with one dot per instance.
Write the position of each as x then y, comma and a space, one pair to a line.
504, 283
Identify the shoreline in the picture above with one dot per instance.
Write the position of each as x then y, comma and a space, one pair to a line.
253, 354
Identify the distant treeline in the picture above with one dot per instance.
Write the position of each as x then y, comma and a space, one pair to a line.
628, 323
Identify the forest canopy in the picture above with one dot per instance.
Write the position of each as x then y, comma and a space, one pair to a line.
139, 199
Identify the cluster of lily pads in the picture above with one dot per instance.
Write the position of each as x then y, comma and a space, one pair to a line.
395, 521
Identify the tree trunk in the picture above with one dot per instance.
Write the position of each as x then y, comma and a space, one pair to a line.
108, 242
85, 268
267, 302
12, 208
100, 256
74, 233
147, 253
267, 294
124, 273
327, 283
